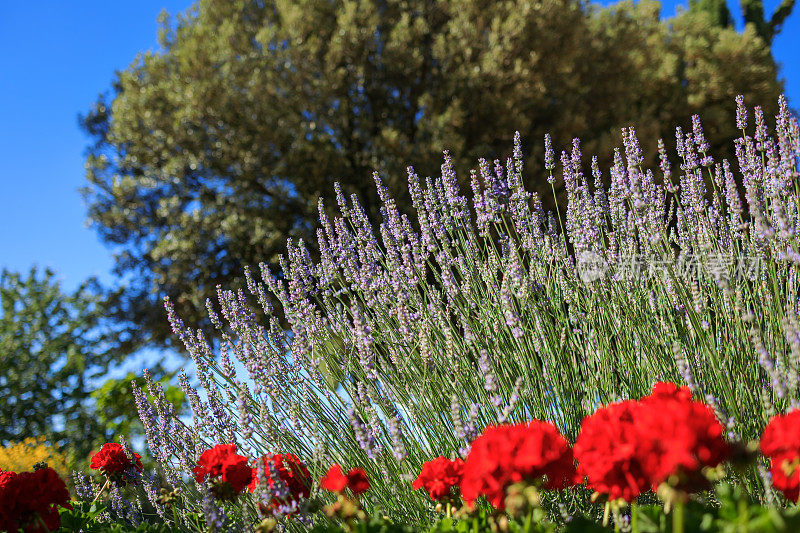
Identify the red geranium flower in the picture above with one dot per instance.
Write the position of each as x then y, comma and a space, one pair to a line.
228, 472
664, 390
336, 481
686, 437
607, 451
8, 512
508, 454
113, 462
292, 473
357, 481
627, 447
781, 443
29, 496
439, 477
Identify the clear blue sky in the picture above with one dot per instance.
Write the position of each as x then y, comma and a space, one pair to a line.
57, 57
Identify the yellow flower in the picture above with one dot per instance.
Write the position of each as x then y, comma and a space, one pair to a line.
21, 456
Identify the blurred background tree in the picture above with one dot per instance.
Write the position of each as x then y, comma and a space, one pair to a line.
767, 29
208, 155
52, 345
113, 404
56, 346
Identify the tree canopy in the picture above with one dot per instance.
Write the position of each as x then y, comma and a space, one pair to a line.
56, 348
53, 344
752, 14
208, 154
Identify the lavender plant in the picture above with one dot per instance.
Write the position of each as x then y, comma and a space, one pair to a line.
406, 339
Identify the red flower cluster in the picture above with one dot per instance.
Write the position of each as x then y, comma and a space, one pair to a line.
228, 472
607, 451
508, 454
439, 477
292, 473
112, 461
628, 447
30, 500
686, 437
336, 481
781, 443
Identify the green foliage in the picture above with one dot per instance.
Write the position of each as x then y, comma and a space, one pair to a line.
207, 156
717, 11
536, 522
115, 410
752, 13
737, 513
727, 510
732, 512
374, 525
86, 517
53, 344
767, 29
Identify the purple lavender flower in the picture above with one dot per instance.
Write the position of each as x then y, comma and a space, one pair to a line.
392, 325
741, 113
549, 156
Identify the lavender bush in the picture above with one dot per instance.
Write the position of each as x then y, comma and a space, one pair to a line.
406, 340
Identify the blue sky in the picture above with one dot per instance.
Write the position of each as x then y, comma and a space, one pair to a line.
57, 57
